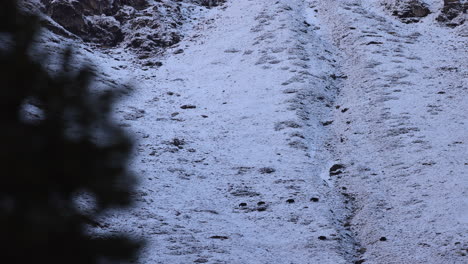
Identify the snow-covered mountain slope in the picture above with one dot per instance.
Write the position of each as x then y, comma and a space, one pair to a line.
403, 139
295, 131
231, 151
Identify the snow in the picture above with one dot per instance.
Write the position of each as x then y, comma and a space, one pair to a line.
297, 86
406, 100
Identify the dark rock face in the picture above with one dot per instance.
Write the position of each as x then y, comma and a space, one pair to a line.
69, 16
410, 11
209, 3
453, 13
134, 24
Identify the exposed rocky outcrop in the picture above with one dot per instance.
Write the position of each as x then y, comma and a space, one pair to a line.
453, 13
143, 25
408, 11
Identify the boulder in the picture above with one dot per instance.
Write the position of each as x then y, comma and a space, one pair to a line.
410, 11
453, 13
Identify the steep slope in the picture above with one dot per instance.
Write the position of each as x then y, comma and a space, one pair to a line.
289, 131
232, 154
403, 136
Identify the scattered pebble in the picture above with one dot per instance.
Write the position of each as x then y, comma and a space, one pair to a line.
188, 107
326, 123
219, 237
266, 170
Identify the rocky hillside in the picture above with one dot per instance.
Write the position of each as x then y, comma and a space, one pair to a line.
284, 131
150, 26
449, 12
142, 25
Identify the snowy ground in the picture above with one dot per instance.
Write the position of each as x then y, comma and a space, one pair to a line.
236, 136
404, 134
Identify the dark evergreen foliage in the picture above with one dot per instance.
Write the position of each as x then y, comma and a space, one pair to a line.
68, 146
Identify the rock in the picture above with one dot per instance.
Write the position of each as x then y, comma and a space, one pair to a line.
244, 193
152, 63
178, 142
209, 3
68, 16
314, 199
322, 237
453, 13
326, 123
219, 237
290, 201
188, 107
266, 170
408, 11
336, 169
134, 24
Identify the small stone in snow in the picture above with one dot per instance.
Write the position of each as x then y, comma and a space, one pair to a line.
322, 237
232, 50
290, 201
178, 142
260, 203
242, 204
266, 170
326, 123
188, 107
383, 239
336, 169
314, 199
219, 237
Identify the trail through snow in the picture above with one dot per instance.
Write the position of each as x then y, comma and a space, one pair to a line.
403, 137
